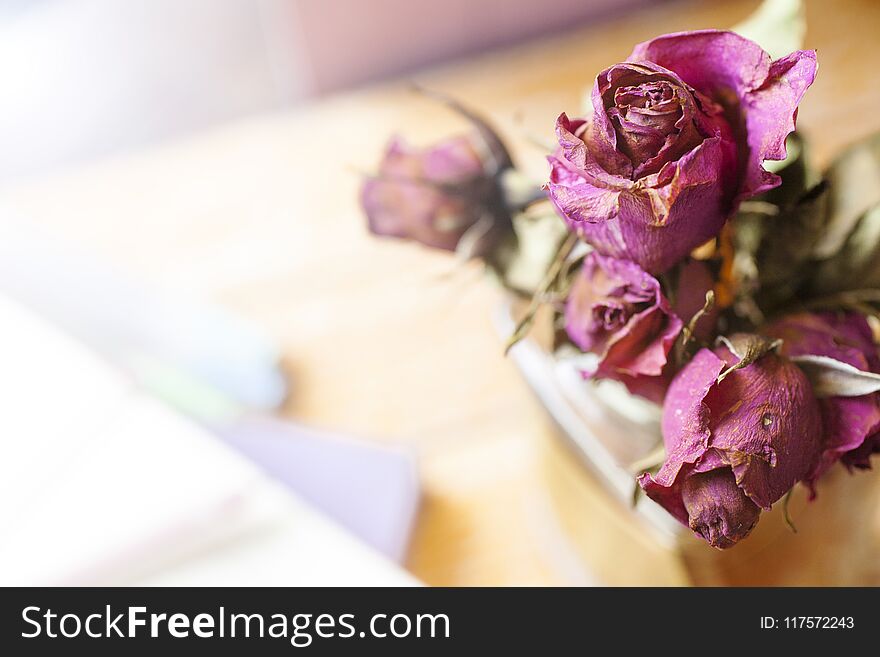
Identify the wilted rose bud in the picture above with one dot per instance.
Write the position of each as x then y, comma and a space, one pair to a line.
718, 510
618, 312
852, 424
736, 445
676, 139
439, 194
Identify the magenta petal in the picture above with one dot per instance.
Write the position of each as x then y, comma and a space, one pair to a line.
686, 418
655, 223
767, 425
760, 422
852, 424
578, 200
718, 510
712, 61
771, 113
618, 311
738, 73
685, 431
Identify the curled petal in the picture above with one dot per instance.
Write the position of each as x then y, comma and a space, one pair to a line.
771, 114
754, 434
577, 199
851, 424
761, 94
618, 312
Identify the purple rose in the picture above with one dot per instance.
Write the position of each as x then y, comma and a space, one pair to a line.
852, 424
618, 312
733, 446
437, 195
677, 138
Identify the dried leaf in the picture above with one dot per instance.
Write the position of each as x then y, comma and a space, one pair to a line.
525, 324
748, 347
527, 258
854, 182
857, 262
650, 462
783, 259
833, 378
500, 156
687, 332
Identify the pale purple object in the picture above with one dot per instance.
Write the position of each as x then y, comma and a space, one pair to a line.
661, 163
437, 194
371, 490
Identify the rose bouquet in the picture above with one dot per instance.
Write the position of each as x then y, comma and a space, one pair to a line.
692, 256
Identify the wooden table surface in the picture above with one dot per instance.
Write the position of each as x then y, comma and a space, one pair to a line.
390, 341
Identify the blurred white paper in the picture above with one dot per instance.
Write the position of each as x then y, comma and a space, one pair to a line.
134, 325
99, 484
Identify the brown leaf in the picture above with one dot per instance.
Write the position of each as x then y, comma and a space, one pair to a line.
748, 347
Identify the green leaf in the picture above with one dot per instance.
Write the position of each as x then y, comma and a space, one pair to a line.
778, 26
833, 378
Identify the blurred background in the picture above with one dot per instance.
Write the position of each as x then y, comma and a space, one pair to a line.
212, 374
86, 78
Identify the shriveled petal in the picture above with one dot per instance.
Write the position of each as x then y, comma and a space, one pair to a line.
657, 226
718, 510
767, 426
715, 62
577, 199
686, 418
643, 345
618, 311
771, 113
851, 424
738, 73
852, 430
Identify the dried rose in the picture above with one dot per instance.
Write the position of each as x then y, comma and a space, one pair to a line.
852, 424
677, 138
736, 445
618, 312
440, 194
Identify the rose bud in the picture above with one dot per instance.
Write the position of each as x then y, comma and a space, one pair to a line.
618, 312
735, 445
440, 194
852, 424
676, 139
